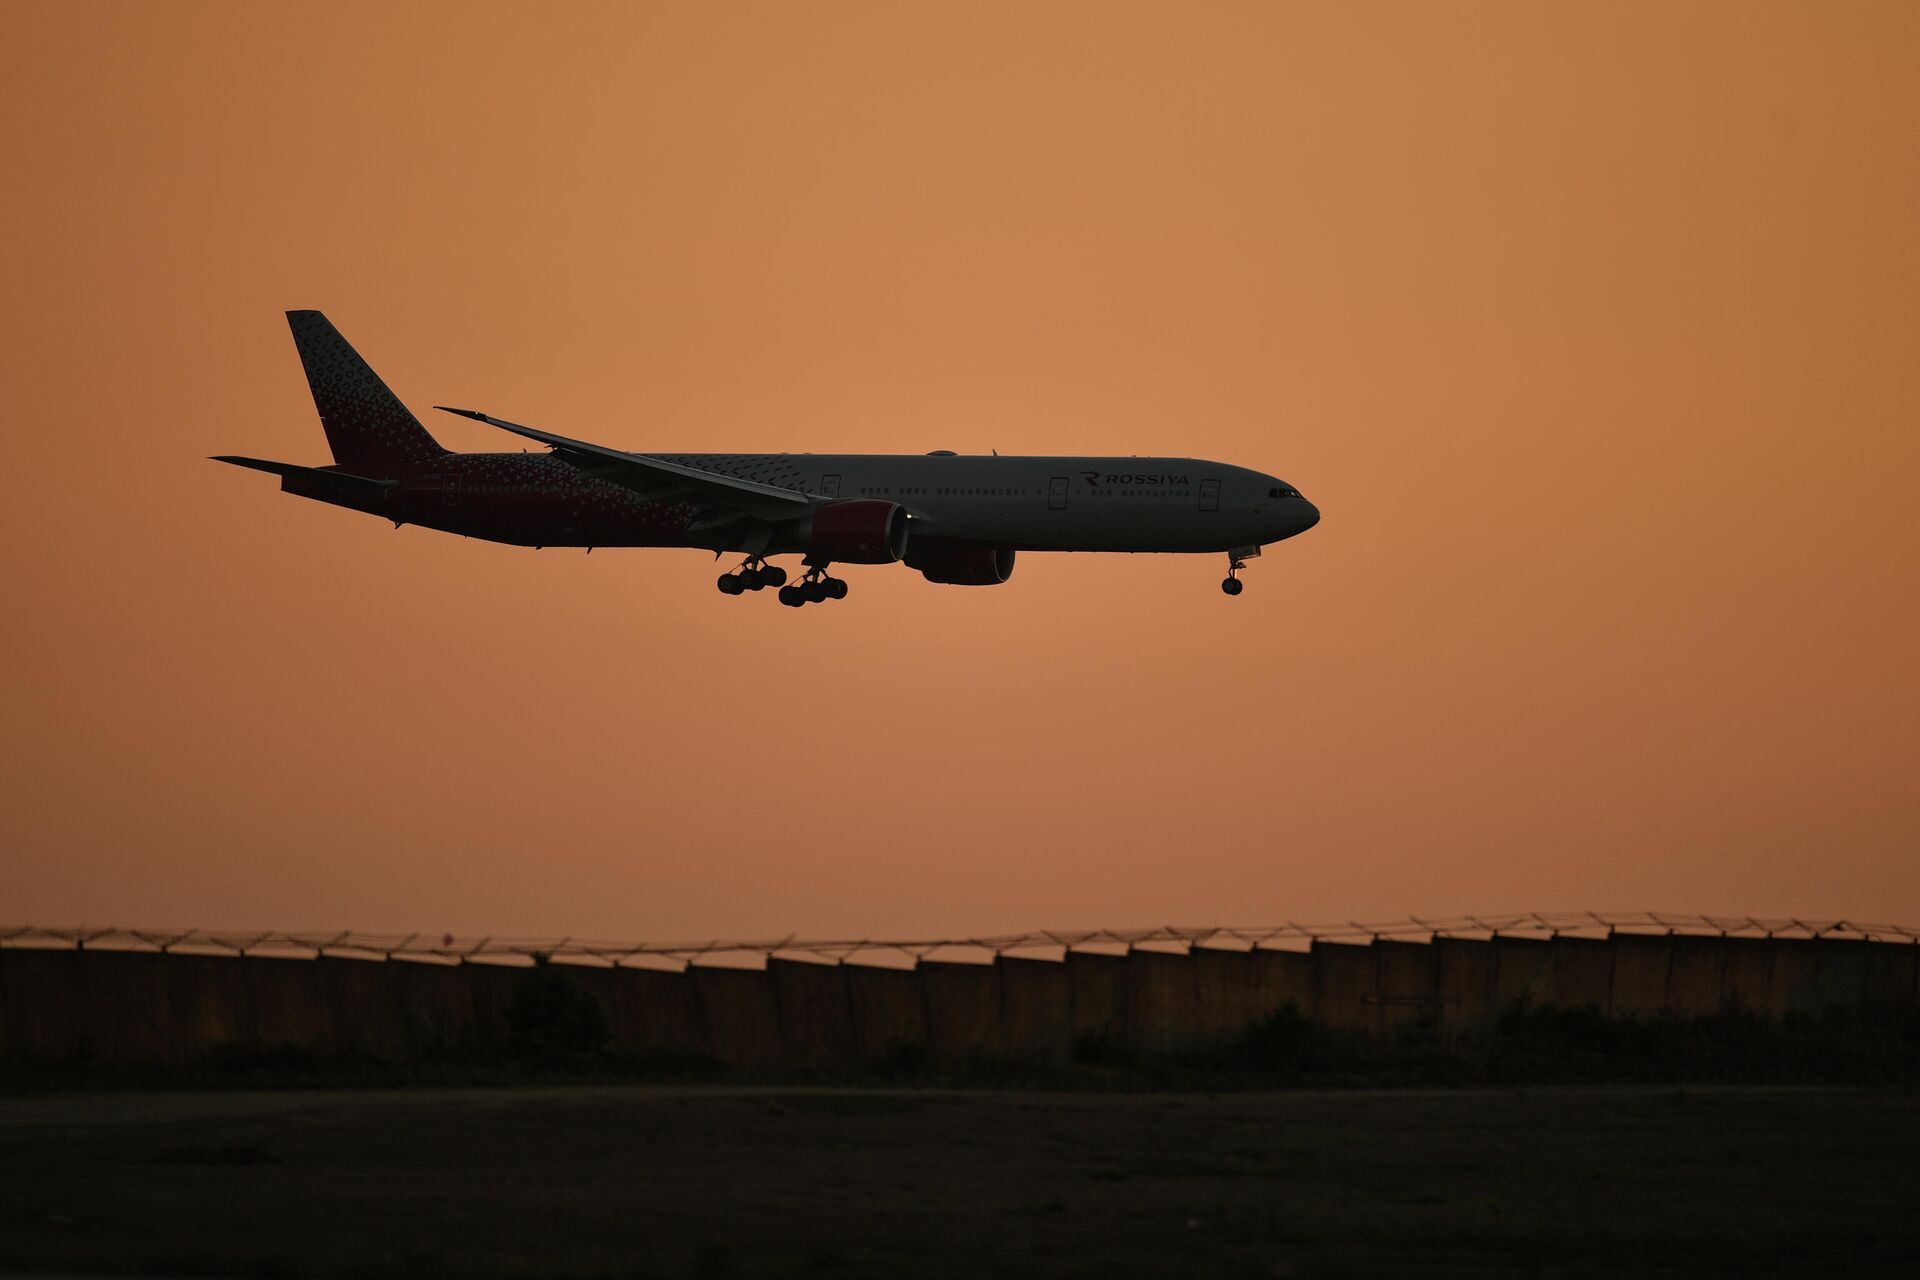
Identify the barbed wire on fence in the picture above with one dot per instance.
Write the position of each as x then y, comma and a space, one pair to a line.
449, 948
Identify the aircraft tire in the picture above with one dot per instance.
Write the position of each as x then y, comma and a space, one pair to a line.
792, 596
773, 576
1233, 586
836, 588
730, 585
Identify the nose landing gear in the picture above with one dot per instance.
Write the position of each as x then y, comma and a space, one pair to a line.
1236, 561
814, 586
754, 574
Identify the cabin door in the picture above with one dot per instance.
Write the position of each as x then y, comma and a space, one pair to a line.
1209, 495
1057, 493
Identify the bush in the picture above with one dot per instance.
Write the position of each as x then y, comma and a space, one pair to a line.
1286, 1040
551, 1016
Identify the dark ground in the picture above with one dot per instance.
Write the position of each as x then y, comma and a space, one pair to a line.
638, 1181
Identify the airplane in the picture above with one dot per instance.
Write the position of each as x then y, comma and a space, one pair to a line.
956, 519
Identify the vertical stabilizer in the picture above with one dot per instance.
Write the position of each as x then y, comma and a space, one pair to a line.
367, 426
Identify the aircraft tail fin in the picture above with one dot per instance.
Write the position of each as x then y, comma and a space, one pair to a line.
367, 427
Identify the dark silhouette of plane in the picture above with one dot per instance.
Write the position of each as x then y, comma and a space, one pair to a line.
955, 519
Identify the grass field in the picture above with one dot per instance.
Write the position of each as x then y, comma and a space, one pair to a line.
639, 1181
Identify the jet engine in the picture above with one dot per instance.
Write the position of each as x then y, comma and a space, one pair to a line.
962, 564
858, 531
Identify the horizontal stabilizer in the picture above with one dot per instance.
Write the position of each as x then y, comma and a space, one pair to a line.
287, 470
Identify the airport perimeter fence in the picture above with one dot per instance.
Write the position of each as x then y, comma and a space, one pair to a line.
451, 948
141, 997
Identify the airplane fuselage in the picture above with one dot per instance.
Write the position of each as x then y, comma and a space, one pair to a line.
1142, 504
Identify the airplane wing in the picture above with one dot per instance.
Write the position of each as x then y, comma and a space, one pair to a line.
654, 477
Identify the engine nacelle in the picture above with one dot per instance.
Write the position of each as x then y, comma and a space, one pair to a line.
961, 564
858, 531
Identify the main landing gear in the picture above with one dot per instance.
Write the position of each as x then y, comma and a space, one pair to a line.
813, 587
754, 574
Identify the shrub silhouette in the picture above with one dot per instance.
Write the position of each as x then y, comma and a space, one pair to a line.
553, 1016
1285, 1040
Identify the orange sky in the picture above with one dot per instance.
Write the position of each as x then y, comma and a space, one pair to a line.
1592, 329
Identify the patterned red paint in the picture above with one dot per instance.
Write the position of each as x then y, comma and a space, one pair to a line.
523, 499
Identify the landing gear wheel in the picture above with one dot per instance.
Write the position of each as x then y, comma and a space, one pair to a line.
815, 591
836, 588
754, 574
1236, 561
792, 596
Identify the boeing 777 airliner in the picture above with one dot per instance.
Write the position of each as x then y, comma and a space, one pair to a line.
955, 519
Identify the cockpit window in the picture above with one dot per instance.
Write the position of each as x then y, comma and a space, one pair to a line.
1284, 491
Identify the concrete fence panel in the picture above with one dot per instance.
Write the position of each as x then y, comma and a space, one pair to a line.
1747, 980
1464, 982
427, 1008
1345, 977
1406, 986
1099, 986
1522, 973
207, 999
816, 1013
1890, 976
1281, 978
1641, 964
39, 991
1842, 966
1696, 976
30, 989
286, 1010
145, 1008
123, 1008
963, 1009
654, 1014
1161, 998
739, 1018
1223, 993
1036, 1008
142, 1007
364, 1007
490, 990
1582, 974
439, 1007
888, 1010
1797, 988
1814, 975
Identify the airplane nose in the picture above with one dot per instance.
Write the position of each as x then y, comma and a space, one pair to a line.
1309, 515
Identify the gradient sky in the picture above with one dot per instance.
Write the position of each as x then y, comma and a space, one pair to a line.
1594, 330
